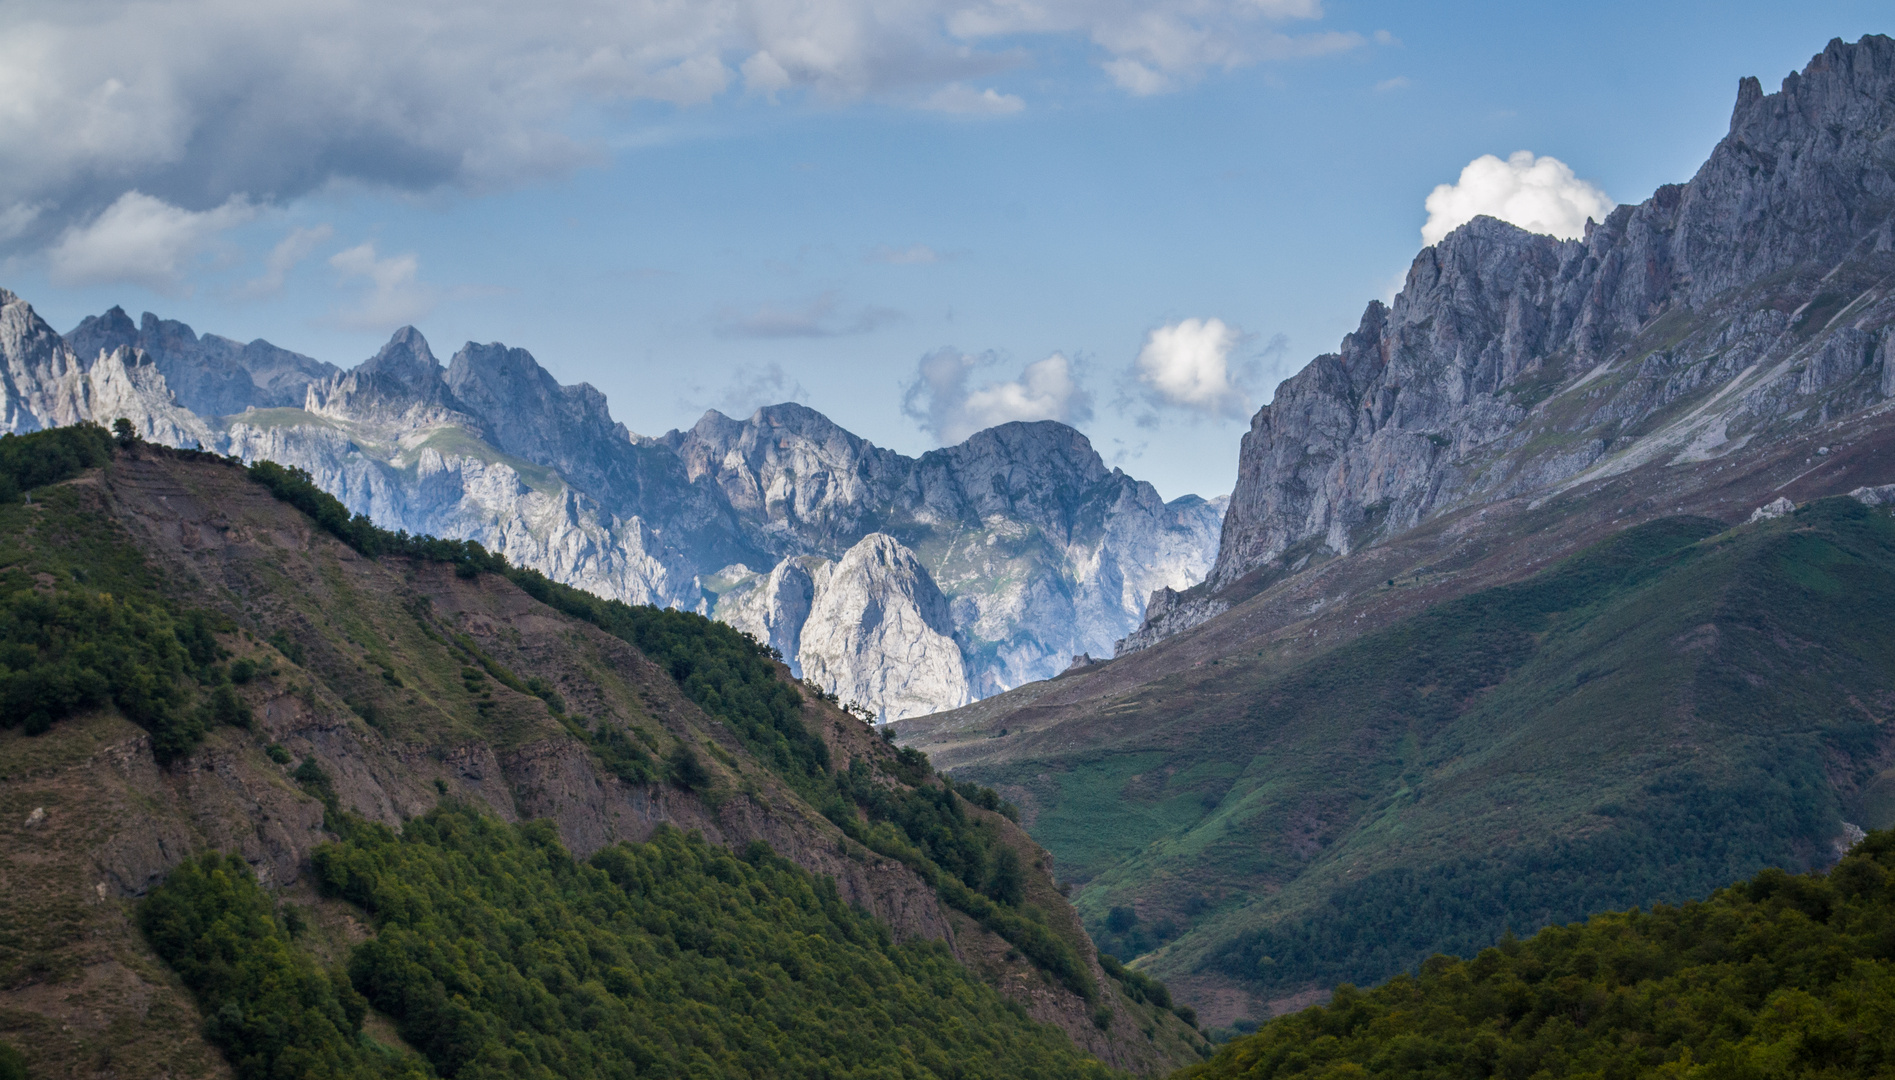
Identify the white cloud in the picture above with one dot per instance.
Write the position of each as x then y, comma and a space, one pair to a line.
1135, 78
196, 101
964, 100
1389, 86
141, 240
300, 244
940, 401
1538, 194
1187, 365
395, 296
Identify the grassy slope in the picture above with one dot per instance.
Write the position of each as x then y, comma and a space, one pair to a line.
372, 682
1659, 715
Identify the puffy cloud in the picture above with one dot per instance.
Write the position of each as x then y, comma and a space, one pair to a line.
940, 401
967, 101
395, 296
1187, 365
196, 101
300, 244
141, 240
1539, 194
820, 318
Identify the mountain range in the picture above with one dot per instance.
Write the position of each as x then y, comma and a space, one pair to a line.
900, 585
1563, 584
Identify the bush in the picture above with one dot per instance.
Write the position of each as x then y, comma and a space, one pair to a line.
47, 457
270, 1007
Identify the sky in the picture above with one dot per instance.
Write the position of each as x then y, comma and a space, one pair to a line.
919, 217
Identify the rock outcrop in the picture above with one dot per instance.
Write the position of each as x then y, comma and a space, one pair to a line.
1751, 302
879, 633
211, 375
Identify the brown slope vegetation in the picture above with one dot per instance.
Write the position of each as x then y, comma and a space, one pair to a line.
378, 672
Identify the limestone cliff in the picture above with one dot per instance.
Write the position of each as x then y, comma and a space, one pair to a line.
1751, 302
878, 633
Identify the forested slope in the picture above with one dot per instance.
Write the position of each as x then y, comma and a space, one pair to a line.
212, 659
1787, 976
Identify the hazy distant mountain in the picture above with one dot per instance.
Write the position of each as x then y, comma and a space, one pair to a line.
1035, 550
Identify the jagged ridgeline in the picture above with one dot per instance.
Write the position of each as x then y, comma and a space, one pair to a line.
551, 835
1778, 976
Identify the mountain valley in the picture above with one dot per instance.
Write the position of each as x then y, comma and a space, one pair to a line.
1539, 597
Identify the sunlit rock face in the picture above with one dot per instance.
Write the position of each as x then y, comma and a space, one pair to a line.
879, 633
1748, 303
992, 563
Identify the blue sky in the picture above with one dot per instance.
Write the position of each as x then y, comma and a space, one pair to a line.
914, 216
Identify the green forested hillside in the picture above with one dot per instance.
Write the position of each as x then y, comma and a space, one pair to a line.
296, 690
1669, 711
921, 823
499, 955
1782, 976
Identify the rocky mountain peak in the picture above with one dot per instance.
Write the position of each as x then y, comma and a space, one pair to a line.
879, 632
97, 334
406, 359
402, 383
1511, 362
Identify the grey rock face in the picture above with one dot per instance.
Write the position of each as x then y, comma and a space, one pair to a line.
999, 559
1041, 550
773, 607
210, 376
1750, 302
879, 633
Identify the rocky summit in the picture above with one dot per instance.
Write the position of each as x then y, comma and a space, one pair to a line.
1746, 306
901, 585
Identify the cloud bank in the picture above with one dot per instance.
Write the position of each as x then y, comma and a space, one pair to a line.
197, 102
942, 403
1538, 194
749, 388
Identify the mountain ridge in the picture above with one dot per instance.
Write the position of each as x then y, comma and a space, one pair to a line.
1043, 552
